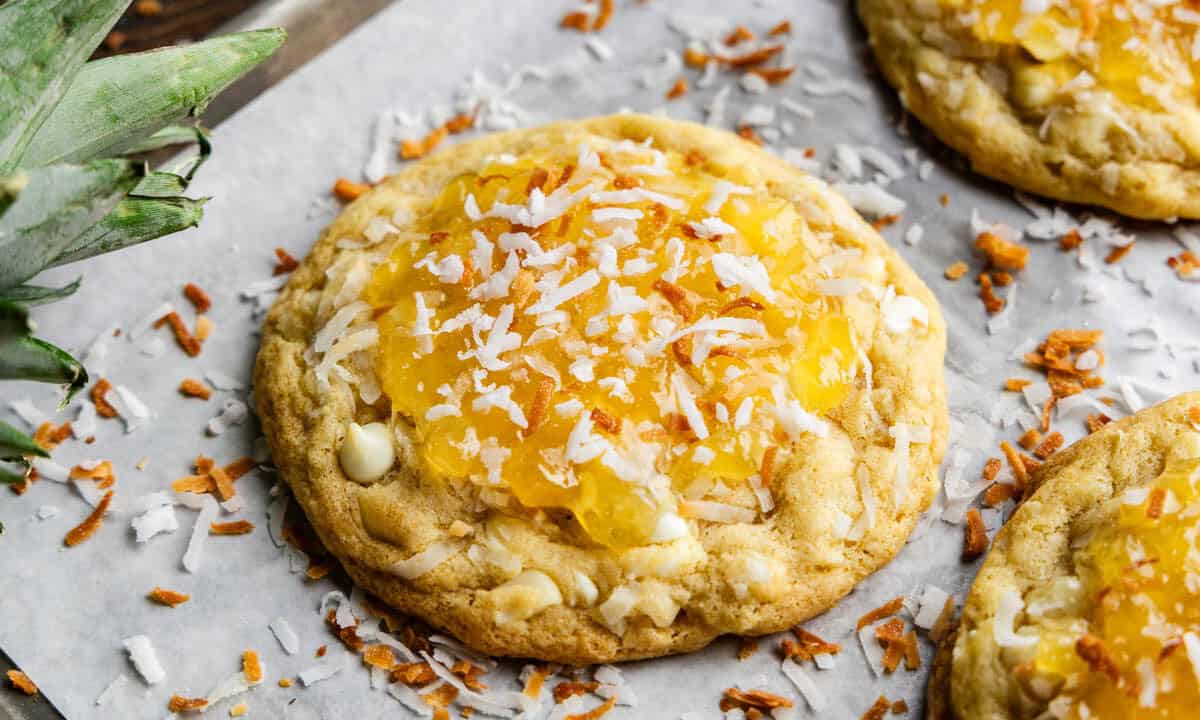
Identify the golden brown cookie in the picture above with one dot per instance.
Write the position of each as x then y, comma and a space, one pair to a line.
605, 390
1086, 101
1086, 605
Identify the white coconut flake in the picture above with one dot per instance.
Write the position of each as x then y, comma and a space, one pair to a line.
288, 640
118, 683
433, 555
223, 381
276, 513
599, 48
321, 671
157, 520
25, 409
233, 412
808, 689
870, 199
687, 405
717, 512
132, 410
50, 470
144, 659
195, 548
737, 271
932, 604
45, 512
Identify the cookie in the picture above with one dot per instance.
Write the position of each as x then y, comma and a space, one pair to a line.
1086, 605
1086, 102
605, 390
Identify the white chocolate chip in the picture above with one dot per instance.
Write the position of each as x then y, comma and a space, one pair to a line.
524, 596
367, 454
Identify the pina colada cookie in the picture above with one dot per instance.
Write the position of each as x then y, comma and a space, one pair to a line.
1088, 607
604, 390
1088, 101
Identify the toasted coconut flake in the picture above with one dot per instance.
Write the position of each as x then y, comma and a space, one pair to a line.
1017, 384
773, 76
888, 609
758, 699
170, 598
348, 190
285, 263
237, 527
1019, 469
21, 681
190, 387
379, 656
415, 674
1097, 655
98, 394
783, 28
747, 646
992, 302
998, 493
88, 527
181, 704
956, 271
199, 299
1049, 445
1118, 253
1001, 254
679, 89
975, 539
747, 133
1030, 439
251, 668
540, 405
877, 710
606, 421
183, 336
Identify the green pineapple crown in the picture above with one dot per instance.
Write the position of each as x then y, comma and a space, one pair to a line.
68, 188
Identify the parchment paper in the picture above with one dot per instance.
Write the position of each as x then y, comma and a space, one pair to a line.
64, 612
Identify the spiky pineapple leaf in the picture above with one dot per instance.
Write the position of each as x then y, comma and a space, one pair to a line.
37, 294
174, 182
53, 206
166, 137
135, 220
9, 476
24, 357
116, 102
43, 44
15, 444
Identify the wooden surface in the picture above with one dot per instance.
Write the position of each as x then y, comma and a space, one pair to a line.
154, 23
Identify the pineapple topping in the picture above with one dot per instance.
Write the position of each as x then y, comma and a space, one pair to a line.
1123, 639
604, 330
1143, 53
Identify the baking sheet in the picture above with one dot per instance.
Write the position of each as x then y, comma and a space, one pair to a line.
65, 611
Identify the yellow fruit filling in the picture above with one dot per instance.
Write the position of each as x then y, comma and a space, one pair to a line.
1144, 53
597, 329
1136, 652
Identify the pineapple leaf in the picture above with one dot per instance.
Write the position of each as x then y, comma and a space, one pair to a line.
37, 294
166, 137
172, 183
24, 357
48, 208
116, 102
134, 221
9, 477
15, 444
44, 43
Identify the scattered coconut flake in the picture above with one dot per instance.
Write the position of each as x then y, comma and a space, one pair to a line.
50, 470
45, 512
155, 521
85, 421
716, 512
195, 548
933, 602
233, 412
808, 689
754, 83
599, 48
222, 381
871, 649
276, 512
914, 234
145, 659
25, 409
321, 671
117, 684
132, 410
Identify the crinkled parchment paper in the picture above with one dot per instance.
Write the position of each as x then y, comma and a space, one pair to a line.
64, 612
